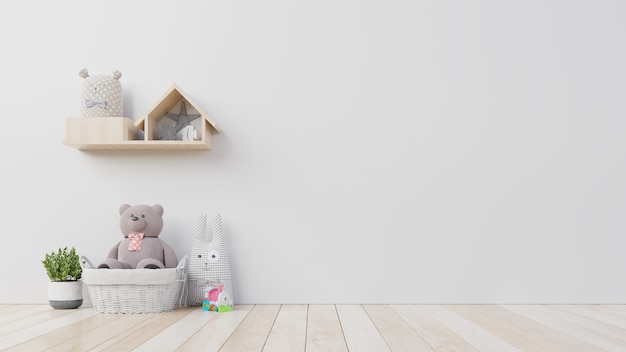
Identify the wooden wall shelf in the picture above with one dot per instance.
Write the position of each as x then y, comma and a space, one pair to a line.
139, 145
120, 133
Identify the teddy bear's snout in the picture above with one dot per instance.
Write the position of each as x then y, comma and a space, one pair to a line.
136, 224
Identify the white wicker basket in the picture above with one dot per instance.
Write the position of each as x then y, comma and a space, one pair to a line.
134, 290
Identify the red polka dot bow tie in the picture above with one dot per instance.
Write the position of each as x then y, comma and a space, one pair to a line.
135, 241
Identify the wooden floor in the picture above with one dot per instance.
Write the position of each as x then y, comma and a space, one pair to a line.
309, 328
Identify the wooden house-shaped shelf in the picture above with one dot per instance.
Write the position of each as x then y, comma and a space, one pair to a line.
176, 99
159, 125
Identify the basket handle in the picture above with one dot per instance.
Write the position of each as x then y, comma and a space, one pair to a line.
182, 262
85, 263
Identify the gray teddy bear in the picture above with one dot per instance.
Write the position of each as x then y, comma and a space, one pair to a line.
141, 248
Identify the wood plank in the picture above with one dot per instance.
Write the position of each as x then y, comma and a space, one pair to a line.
142, 332
56, 319
547, 316
28, 320
177, 333
478, 337
324, 330
438, 336
359, 331
398, 335
6, 309
212, 336
614, 309
519, 331
10, 316
62, 335
587, 323
590, 312
289, 330
98, 336
253, 330
620, 307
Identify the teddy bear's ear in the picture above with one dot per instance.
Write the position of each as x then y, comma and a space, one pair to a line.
158, 209
83, 73
123, 208
117, 74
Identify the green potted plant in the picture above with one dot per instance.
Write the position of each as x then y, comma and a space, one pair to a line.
65, 289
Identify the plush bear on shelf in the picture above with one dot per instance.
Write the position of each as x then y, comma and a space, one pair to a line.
141, 248
101, 95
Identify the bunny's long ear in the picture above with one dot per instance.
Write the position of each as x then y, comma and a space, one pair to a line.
218, 237
200, 233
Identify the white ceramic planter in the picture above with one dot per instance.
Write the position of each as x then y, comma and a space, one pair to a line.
65, 294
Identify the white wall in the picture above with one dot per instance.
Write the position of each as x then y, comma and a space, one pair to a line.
373, 151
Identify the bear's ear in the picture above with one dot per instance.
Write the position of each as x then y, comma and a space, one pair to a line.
83, 73
117, 74
158, 209
123, 208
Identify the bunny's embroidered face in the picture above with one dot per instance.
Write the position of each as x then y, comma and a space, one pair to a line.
208, 263
101, 95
